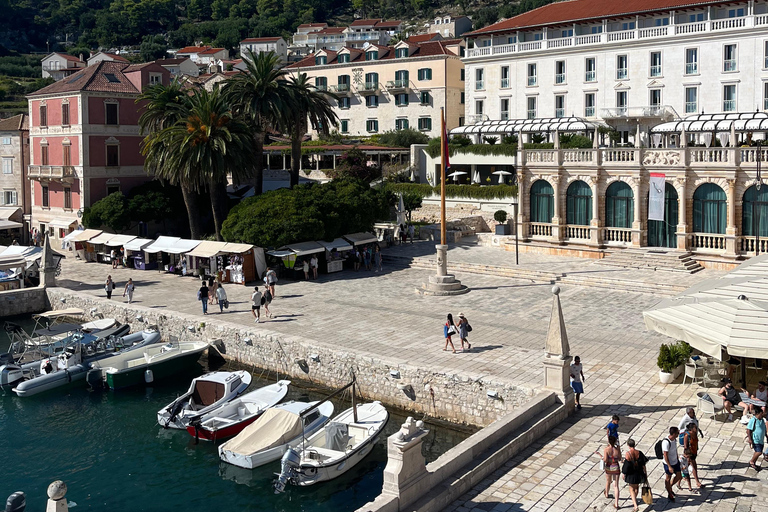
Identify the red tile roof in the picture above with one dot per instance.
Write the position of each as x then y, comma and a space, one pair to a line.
193, 49
384, 24
93, 78
15, 123
365, 23
171, 62
423, 38
67, 56
570, 11
211, 51
261, 39
312, 25
331, 30
115, 57
428, 49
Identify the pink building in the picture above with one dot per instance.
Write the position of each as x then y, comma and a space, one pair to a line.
84, 140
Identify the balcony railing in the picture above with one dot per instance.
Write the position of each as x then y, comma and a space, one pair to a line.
539, 229
621, 74
559, 112
691, 68
50, 171
656, 70
532, 80
397, 84
560, 78
504, 115
691, 107
577, 232
589, 76
661, 111
662, 32
479, 85
369, 88
617, 235
729, 65
340, 88
321, 87
505, 83
729, 105
531, 114
748, 244
708, 241
589, 112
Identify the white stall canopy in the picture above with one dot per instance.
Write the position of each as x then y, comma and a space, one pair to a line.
86, 235
182, 246
118, 240
101, 239
162, 244
339, 244
62, 223
207, 249
137, 244
306, 248
361, 238
71, 236
11, 262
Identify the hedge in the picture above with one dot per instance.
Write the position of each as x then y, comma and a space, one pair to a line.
489, 192
433, 149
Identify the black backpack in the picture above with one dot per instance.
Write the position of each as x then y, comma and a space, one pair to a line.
659, 450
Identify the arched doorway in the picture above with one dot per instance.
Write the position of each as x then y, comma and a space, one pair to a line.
754, 216
661, 233
709, 209
578, 204
542, 202
619, 205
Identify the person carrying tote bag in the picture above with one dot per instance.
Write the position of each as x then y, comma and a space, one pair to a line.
449, 329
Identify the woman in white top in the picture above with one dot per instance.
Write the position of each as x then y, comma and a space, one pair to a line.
221, 296
129, 288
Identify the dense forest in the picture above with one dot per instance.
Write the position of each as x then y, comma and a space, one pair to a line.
81, 25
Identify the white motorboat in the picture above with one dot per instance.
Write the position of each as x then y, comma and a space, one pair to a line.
205, 394
268, 438
231, 418
334, 450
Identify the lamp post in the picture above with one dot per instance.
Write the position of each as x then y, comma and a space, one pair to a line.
755, 210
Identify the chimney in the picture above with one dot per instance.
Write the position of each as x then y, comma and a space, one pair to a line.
81, 56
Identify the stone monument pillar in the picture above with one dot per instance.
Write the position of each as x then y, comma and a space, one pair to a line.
47, 266
56, 492
442, 283
405, 463
557, 360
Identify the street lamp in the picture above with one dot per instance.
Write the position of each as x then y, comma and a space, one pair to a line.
755, 212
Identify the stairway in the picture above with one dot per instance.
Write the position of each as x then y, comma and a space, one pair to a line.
655, 258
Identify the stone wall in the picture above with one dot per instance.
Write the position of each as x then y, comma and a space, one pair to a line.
459, 211
455, 397
22, 302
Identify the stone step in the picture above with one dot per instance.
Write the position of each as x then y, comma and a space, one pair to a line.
669, 261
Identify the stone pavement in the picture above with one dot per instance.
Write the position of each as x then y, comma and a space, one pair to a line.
380, 313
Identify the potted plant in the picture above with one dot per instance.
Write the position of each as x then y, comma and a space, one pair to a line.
667, 364
502, 228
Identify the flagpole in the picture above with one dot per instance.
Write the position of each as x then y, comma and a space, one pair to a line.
443, 145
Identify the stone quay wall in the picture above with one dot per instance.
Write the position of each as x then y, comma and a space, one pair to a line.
22, 302
454, 397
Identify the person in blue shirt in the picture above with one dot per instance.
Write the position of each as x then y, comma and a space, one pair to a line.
613, 428
756, 433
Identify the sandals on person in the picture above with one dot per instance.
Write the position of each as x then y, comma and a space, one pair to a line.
753, 466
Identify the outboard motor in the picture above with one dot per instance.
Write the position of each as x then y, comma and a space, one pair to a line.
6, 358
12, 328
95, 379
17, 502
289, 468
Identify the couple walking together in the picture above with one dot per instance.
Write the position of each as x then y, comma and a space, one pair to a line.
460, 328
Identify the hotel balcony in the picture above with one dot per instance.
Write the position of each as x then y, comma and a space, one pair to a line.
341, 89
396, 86
655, 112
369, 88
622, 37
50, 172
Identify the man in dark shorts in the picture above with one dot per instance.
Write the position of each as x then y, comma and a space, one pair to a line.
256, 304
731, 398
671, 462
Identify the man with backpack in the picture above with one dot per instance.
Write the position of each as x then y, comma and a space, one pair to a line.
666, 449
256, 299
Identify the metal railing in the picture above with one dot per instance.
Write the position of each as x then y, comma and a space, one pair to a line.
589, 76
621, 74
691, 107
479, 85
729, 65
559, 78
656, 70
531, 114
532, 80
505, 83
729, 105
691, 68
559, 112
589, 112
397, 84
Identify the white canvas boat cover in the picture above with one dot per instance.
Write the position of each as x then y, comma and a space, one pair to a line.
161, 244
62, 222
62, 312
86, 235
306, 248
207, 249
274, 428
137, 244
339, 244
118, 240
361, 238
182, 246
101, 239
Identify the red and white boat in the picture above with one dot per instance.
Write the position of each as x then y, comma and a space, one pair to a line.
232, 417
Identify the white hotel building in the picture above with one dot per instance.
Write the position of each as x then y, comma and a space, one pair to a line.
635, 66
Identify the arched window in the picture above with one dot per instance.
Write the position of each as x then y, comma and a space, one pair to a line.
542, 202
619, 205
754, 216
578, 204
662, 233
709, 209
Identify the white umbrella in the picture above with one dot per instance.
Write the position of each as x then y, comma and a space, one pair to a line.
476, 177
501, 175
455, 175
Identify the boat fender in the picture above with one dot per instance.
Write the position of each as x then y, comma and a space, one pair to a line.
149, 377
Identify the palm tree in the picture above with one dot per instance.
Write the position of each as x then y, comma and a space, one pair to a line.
308, 106
260, 93
162, 107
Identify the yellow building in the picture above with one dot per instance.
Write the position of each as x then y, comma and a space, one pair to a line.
382, 88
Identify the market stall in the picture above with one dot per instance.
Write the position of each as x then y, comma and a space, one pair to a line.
304, 251
60, 227
96, 246
358, 239
336, 252
117, 242
281, 261
12, 272
83, 251
246, 263
173, 255
203, 258
11, 224
68, 242
154, 251
135, 256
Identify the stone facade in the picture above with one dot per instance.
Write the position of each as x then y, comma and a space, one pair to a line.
23, 302
449, 396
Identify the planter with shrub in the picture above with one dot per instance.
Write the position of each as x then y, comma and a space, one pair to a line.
502, 228
671, 360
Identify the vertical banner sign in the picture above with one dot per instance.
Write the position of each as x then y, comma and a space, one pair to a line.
656, 197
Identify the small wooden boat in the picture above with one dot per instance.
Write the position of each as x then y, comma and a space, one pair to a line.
268, 438
205, 394
231, 418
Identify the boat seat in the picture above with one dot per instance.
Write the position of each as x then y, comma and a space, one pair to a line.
316, 453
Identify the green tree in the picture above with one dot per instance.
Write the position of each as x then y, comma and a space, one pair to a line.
411, 201
308, 106
110, 212
260, 93
403, 138
354, 165
153, 48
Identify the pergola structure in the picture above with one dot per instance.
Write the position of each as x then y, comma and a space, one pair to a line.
545, 125
706, 128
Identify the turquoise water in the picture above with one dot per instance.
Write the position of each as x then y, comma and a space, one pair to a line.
113, 456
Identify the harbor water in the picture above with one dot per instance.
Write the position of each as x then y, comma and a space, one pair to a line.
113, 456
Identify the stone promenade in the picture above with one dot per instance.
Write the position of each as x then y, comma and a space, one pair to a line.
381, 312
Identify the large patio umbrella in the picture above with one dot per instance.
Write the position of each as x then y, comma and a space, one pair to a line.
738, 325
455, 175
501, 175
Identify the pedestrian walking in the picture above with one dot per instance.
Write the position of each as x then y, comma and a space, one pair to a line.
411, 231
464, 329
672, 474
634, 470
256, 304
221, 297
691, 444
756, 435
577, 380
271, 280
403, 234
267, 296
129, 289
357, 259
449, 329
212, 292
202, 296
611, 457
109, 286
184, 267
685, 471
377, 258
367, 258
211, 289
113, 258
305, 268
313, 265
612, 428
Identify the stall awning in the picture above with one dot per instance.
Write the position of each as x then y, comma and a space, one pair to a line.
101, 239
62, 223
162, 244
71, 236
10, 213
207, 249
306, 248
739, 121
361, 238
538, 125
182, 246
29, 253
281, 253
9, 224
118, 240
235, 248
339, 244
86, 235
137, 244
13, 261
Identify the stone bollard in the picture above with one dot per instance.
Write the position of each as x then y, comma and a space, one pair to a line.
56, 500
557, 358
405, 463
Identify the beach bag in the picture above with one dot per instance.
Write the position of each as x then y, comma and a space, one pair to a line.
659, 450
681, 438
199, 295
628, 468
469, 327
647, 495
451, 330
263, 300
226, 304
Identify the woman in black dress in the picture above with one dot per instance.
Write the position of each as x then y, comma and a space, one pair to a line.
634, 470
